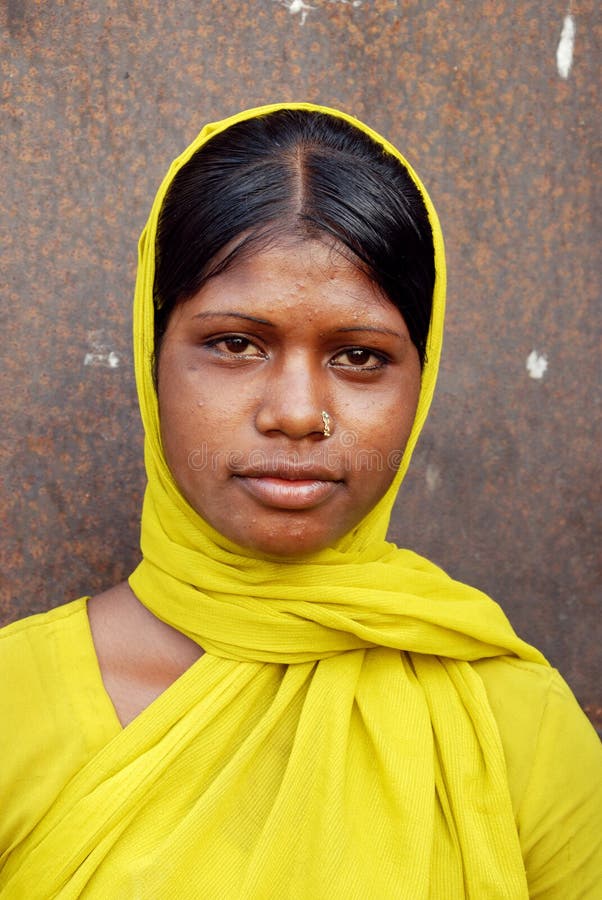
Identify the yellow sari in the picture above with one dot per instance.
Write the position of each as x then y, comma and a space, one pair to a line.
334, 740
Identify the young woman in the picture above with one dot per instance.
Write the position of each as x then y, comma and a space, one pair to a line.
279, 703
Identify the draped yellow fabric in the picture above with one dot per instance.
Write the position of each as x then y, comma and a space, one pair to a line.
334, 741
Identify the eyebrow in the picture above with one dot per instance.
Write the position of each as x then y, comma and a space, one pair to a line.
396, 334
353, 328
234, 315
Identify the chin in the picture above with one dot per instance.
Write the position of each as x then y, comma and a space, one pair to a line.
290, 542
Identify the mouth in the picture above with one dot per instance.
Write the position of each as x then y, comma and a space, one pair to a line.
289, 488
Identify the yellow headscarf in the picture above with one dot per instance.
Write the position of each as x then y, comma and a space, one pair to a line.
333, 741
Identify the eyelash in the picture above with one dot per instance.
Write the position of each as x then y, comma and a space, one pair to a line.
382, 360
213, 344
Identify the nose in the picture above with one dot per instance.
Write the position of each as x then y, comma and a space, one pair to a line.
293, 400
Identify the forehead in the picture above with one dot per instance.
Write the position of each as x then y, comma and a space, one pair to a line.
309, 279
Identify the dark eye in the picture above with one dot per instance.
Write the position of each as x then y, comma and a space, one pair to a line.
359, 358
234, 345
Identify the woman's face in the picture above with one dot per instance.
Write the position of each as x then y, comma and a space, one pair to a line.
246, 368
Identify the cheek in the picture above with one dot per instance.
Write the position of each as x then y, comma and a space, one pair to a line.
373, 464
383, 421
180, 413
200, 429
184, 400
389, 426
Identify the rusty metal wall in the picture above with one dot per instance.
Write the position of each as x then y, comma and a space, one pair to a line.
497, 113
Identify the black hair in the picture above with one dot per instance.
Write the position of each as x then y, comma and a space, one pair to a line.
301, 172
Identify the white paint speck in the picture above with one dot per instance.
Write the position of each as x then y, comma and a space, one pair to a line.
432, 477
537, 365
100, 353
566, 44
297, 8
107, 360
302, 9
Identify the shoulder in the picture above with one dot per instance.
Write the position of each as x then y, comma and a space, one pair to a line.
530, 702
53, 711
48, 670
34, 655
32, 662
37, 637
554, 764
57, 614
38, 658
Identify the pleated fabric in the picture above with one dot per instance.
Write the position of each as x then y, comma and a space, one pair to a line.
334, 740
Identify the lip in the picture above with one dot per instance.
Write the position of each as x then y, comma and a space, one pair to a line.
285, 492
288, 470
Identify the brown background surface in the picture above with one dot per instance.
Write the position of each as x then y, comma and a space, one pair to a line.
97, 97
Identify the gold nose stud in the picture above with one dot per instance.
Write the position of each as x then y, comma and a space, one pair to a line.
326, 421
